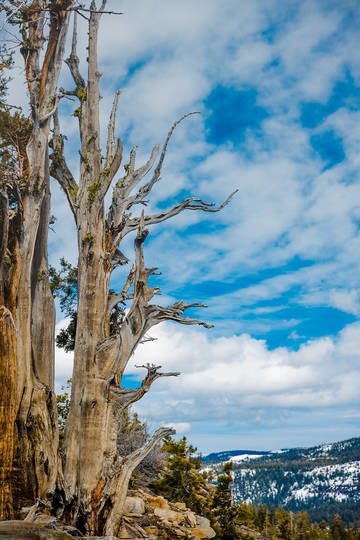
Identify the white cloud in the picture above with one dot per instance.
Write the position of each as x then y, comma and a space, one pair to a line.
168, 57
226, 378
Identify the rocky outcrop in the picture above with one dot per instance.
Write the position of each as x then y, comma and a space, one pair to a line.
155, 518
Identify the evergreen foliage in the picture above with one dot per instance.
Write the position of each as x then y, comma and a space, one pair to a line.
224, 513
182, 480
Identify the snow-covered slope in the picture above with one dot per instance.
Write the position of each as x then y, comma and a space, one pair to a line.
312, 479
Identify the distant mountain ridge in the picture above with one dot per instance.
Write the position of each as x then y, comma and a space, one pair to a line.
216, 457
322, 480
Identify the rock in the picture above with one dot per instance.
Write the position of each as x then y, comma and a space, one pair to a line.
179, 532
191, 518
134, 505
157, 502
202, 529
128, 531
202, 532
169, 515
245, 532
151, 529
18, 529
180, 505
202, 521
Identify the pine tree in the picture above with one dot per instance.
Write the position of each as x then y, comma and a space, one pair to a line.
182, 480
284, 525
225, 514
304, 530
337, 529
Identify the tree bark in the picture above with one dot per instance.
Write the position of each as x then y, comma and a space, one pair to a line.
28, 423
96, 477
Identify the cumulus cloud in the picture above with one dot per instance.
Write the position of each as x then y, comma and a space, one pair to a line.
240, 382
226, 378
292, 204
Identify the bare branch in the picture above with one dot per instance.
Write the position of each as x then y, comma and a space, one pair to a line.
137, 456
135, 176
163, 152
121, 202
111, 140
124, 187
102, 11
121, 297
146, 339
157, 314
191, 203
59, 169
153, 373
73, 60
126, 397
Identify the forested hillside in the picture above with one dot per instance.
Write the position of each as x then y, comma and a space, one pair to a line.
322, 480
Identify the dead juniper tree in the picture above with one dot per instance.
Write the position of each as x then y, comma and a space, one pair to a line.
28, 418
96, 478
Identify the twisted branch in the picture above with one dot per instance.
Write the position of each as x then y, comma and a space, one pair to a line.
126, 397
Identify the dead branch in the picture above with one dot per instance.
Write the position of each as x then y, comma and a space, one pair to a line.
126, 397
111, 140
73, 60
167, 140
102, 11
59, 169
138, 455
191, 203
122, 202
157, 314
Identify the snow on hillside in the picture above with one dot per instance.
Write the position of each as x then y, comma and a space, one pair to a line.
339, 482
297, 478
245, 457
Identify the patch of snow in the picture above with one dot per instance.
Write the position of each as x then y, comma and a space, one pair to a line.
245, 457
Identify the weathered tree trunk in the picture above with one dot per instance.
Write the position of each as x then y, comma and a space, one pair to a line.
29, 430
96, 477
9, 275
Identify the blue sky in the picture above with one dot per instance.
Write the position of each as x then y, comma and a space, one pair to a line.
278, 88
